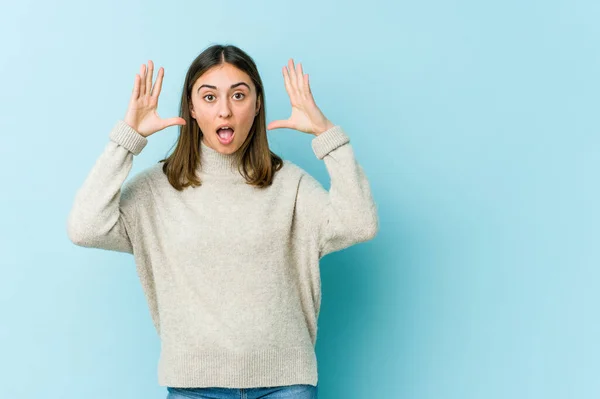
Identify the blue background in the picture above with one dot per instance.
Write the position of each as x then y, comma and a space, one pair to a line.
476, 123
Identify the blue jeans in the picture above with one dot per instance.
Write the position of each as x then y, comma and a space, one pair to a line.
298, 391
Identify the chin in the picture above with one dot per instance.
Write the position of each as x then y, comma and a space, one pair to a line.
227, 149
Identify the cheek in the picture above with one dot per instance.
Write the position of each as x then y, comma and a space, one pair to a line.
203, 114
249, 112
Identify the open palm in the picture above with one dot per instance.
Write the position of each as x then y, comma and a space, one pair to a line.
306, 116
141, 113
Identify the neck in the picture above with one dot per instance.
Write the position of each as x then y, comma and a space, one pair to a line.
215, 163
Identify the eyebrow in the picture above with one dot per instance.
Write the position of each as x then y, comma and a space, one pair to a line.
231, 87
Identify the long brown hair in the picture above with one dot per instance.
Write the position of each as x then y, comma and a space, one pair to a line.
255, 161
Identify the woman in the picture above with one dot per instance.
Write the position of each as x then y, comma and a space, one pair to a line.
226, 235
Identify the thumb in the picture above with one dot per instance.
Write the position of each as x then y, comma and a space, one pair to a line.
280, 124
173, 121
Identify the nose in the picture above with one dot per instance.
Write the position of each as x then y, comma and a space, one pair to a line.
224, 109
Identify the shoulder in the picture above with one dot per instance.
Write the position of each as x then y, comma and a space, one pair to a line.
154, 172
291, 171
138, 182
299, 177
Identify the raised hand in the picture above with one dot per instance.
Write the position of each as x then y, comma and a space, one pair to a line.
306, 116
141, 114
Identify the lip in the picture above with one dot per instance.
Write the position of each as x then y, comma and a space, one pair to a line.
223, 125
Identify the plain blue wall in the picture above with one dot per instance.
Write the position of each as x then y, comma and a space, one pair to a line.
476, 122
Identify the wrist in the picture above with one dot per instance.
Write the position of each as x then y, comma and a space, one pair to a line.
328, 125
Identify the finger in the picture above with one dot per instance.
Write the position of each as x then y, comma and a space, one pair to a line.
136, 88
307, 86
292, 73
299, 77
158, 84
278, 125
143, 79
288, 84
149, 77
173, 121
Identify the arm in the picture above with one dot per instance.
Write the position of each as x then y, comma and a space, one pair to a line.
103, 213
346, 214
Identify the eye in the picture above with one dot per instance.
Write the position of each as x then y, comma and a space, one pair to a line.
239, 98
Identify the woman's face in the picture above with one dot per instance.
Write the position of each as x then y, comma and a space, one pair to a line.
224, 95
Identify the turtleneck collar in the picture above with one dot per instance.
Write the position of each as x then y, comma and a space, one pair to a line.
214, 163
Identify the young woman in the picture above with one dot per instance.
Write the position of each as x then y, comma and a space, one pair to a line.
227, 236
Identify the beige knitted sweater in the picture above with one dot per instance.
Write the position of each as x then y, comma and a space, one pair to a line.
230, 271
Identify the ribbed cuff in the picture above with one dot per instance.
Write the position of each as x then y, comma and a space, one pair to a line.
126, 136
329, 140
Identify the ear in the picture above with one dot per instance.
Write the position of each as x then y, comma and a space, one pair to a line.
192, 110
258, 104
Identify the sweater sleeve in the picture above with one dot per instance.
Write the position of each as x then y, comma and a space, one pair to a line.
346, 214
103, 214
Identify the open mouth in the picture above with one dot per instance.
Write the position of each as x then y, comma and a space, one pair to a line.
225, 135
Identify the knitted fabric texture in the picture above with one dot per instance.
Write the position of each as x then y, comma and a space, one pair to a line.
230, 271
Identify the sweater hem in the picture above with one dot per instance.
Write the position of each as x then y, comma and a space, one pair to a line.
226, 369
